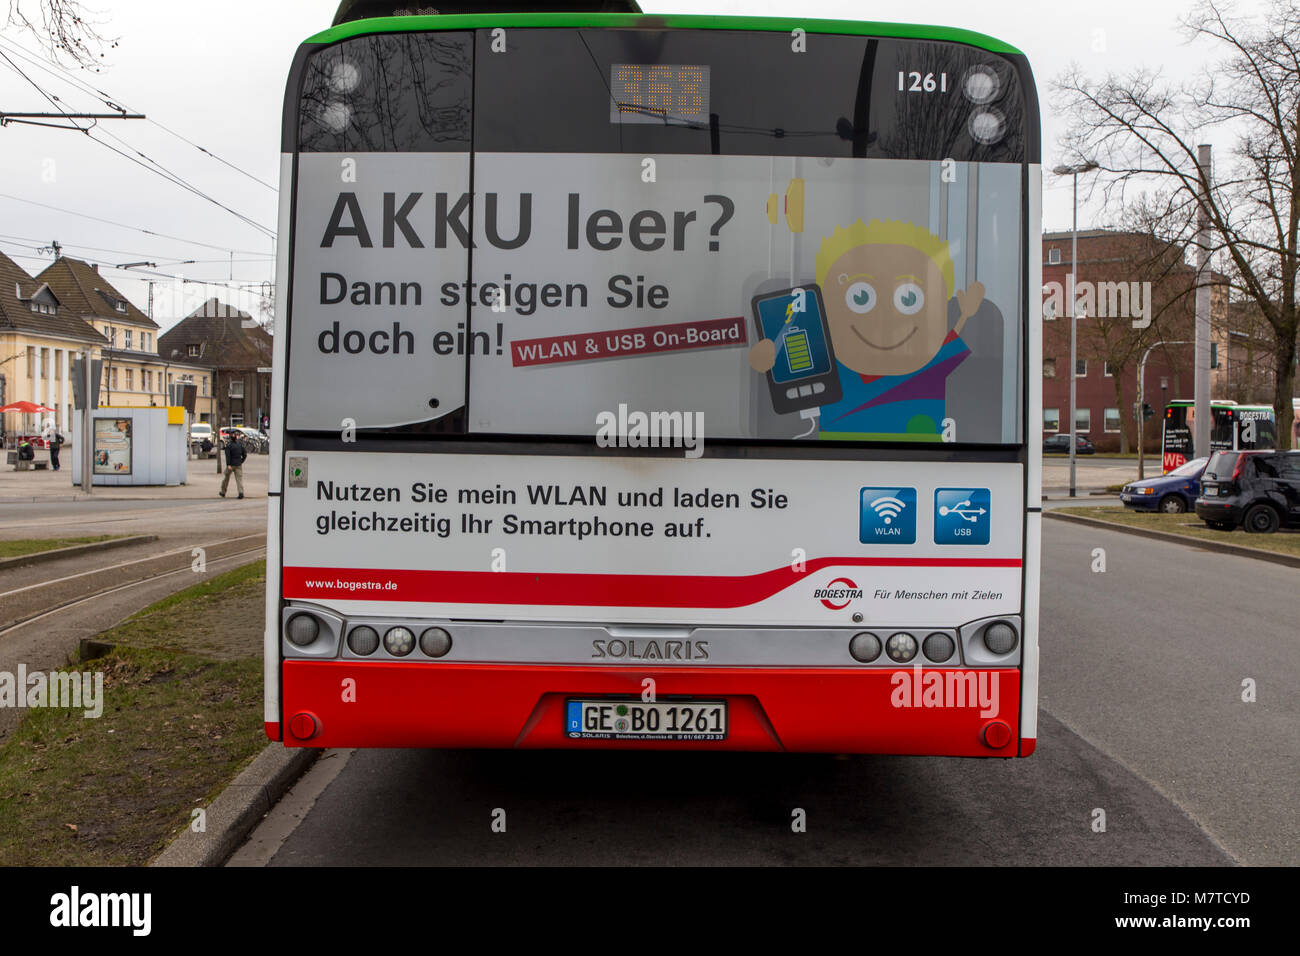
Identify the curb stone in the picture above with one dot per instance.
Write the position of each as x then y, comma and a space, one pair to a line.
240, 807
1274, 557
36, 557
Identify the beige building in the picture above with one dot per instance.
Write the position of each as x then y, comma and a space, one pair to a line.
39, 338
48, 320
134, 374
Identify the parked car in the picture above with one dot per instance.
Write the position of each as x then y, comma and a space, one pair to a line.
1258, 490
201, 435
1173, 493
1061, 443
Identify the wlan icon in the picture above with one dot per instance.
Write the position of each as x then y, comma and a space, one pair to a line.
887, 516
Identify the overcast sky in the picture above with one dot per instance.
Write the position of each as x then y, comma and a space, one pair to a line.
215, 74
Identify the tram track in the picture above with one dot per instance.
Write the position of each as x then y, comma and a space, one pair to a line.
35, 602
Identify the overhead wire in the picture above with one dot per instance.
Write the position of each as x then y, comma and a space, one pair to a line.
53, 69
147, 232
242, 284
150, 164
146, 162
166, 259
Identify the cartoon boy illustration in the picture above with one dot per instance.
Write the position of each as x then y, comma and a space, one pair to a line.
886, 286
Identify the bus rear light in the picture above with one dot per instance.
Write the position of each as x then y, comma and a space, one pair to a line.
302, 630
864, 647
996, 734
901, 647
399, 641
363, 640
435, 642
938, 647
1000, 638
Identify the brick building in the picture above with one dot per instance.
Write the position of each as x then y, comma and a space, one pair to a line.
1246, 363
239, 352
1112, 277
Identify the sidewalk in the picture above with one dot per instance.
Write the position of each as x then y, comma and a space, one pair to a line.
202, 482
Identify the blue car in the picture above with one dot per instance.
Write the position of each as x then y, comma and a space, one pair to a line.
1172, 494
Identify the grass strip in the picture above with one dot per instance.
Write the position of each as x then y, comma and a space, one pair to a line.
1190, 526
16, 549
182, 716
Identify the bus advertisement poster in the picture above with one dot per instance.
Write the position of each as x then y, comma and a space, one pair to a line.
870, 311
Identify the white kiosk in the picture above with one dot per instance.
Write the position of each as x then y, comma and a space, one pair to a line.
134, 446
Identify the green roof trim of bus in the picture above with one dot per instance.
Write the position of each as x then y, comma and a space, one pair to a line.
471, 21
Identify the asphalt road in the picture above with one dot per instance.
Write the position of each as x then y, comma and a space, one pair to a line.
1141, 717
1147, 661
1091, 473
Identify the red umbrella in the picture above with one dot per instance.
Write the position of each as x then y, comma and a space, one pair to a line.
27, 408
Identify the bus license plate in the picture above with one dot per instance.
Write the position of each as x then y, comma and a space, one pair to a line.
643, 720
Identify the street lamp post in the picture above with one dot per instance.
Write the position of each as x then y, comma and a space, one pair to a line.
1141, 422
1074, 172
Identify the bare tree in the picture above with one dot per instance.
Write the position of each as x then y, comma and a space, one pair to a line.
1247, 359
1143, 132
66, 29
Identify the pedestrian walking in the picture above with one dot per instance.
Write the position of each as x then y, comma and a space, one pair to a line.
55, 442
235, 457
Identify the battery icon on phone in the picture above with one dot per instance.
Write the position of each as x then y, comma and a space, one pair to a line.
797, 355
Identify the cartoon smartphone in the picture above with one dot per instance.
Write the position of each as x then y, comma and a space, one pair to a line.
804, 375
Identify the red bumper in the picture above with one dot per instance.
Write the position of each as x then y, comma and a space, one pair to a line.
904, 711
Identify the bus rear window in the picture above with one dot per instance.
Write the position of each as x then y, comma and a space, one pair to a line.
390, 92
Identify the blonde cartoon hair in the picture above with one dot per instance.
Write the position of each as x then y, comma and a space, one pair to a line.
891, 232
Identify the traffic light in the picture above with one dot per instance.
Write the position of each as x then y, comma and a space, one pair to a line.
1147, 411
1214, 355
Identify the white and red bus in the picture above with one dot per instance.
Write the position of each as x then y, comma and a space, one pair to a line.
656, 382
1232, 427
